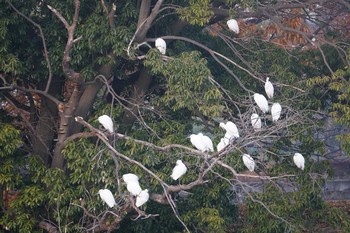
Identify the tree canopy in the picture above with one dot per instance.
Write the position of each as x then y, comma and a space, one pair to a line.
65, 63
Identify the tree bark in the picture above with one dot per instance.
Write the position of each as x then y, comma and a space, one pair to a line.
45, 129
140, 87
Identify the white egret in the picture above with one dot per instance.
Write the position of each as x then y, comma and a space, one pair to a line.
142, 198
299, 160
161, 45
207, 142
179, 170
276, 111
256, 121
106, 122
107, 197
129, 177
222, 144
134, 188
231, 129
248, 162
269, 88
233, 25
201, 142
262, 103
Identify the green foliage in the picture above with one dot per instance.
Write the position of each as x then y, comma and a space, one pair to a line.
198, 12
296, 210
339, 97
182, 95
188, 84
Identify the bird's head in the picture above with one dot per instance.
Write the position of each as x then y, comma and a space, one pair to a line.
178, 162
267, 79
222, 125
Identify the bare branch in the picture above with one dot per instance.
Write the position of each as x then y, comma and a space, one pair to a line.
146, 26
212, 53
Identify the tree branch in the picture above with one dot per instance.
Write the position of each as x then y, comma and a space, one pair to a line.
141, 34
46, 54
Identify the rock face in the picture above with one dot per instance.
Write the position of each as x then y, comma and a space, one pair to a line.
338, 187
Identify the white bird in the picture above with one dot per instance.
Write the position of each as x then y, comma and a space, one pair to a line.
269, 88
262, 103
161, 45
106, 122
233, 25
179, 170
107, 197
129, 177
134, 188
256, 121
299, 160
142, 198
201, 142
222, 144
248, 162
207, 142
276, 111
231, 129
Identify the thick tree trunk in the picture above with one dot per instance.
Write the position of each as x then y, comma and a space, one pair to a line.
45, 131
140, 87
89, 96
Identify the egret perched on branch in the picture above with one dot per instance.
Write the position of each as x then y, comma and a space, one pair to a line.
202, 142
222, 144
299, 160
161, 45
134, 188
142, 198
269, 88
231, 129
256, 121
106, 122
261, 101
208, 143
107, 197
276, 111
129, 177
179, 170
248, 162
233, 25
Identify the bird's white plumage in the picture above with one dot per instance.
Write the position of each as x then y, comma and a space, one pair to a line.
107, 197
222, 144
299, 160
134, 188
262, 103
129, 177
161, 45
201, 142
255, 121
276, 111
231, 129
106, 122
248, 162
207, 142
179, 170
142, 198
269, 88
233, 25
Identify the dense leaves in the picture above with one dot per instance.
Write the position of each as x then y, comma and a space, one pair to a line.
156, 101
